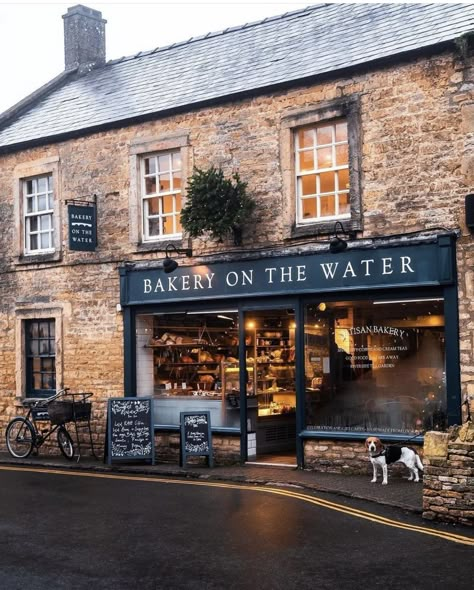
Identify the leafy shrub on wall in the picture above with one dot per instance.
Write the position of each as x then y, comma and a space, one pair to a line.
216, 205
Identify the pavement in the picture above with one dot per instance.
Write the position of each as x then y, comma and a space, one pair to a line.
399, 493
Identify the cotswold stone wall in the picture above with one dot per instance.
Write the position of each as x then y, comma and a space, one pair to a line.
226, 450
417, 136
348, 457
448, 482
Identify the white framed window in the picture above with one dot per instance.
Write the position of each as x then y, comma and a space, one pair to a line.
322, 172
38, 211
161, 195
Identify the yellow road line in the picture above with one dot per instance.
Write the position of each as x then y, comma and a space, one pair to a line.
447, 536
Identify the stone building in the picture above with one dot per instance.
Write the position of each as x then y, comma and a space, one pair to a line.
349, 299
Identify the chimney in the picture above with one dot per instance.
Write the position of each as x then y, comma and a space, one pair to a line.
84, 38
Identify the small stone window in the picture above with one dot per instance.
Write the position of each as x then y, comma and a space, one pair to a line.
40, 357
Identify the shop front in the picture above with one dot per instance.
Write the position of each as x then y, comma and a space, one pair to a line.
311, 346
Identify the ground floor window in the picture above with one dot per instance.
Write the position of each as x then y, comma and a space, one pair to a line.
190, 362
40, 357
375, 366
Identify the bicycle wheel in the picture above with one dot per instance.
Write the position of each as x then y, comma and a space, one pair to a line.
20, 438
65, 443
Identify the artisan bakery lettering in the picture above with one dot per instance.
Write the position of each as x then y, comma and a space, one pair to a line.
387, 330
366, 267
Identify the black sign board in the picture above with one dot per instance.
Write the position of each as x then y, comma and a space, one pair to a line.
130, 431
196, 435
82, 227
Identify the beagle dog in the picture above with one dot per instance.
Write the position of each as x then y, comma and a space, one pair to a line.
382, 456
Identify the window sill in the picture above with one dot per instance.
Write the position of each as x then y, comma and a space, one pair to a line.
158, 246
38, 258
324, 230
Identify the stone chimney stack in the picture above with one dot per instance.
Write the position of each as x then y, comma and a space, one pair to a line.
84, 38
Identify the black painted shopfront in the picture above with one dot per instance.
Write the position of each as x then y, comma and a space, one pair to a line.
337, 346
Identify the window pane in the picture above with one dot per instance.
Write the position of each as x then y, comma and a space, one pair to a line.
33, 347
42, 203
168, 225
370, 369
343, 177
37, 381
175, 381
153, 206
45, 241
164, 180
45, 222
33, 224
150, 165
344, 207
327, 206
150, 185
168, 203
341, 131
179, 228
42, 185
30, 205
308, 184
309, 208
306, 160
164, 163
34, 242
178, 202
176, 161
327, 182
324, 158
177, 181
324, 135
43, 331
153, 227
342, 155
29, 184
50, 201
305, 138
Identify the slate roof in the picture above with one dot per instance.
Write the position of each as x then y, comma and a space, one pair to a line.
307, 43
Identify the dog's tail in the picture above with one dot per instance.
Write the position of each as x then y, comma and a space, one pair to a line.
419, 464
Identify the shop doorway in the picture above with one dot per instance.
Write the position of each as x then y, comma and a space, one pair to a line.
271, 386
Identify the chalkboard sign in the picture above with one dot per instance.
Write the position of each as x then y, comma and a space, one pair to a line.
195, 435
130, 432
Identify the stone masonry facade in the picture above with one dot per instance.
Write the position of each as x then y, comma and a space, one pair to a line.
416, 152
448, 482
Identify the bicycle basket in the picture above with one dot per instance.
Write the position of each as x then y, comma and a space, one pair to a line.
60, 412
82, 410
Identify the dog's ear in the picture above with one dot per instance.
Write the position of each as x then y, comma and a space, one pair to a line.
367, 443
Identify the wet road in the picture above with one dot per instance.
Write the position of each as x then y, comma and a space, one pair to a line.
96, 531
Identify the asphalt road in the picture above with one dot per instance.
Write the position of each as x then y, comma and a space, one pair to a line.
97, 531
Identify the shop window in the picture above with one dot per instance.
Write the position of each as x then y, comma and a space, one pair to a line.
161, 195
190, 362
372, 366
320, 150
40, 352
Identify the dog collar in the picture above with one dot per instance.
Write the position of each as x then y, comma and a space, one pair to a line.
379, 454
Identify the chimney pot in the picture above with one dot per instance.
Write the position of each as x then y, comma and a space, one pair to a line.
84, 38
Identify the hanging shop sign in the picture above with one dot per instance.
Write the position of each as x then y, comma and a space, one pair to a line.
130, 431
82, 227
196, 435
416, 265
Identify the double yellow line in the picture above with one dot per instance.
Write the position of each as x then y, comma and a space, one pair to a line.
447, 536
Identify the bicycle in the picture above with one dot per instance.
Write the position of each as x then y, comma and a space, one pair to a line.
23, 434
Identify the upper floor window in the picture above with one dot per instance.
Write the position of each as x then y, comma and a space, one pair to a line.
322, 172
38, 210
161, 176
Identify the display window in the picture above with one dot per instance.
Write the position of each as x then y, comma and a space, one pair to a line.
375, 366
190, 361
